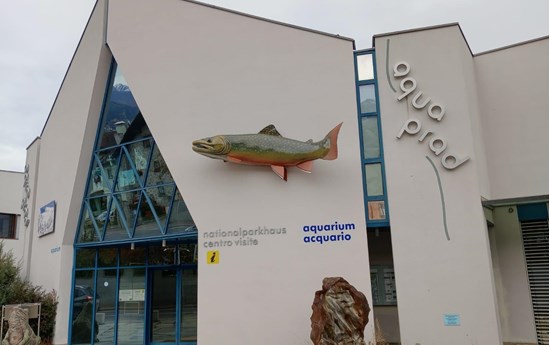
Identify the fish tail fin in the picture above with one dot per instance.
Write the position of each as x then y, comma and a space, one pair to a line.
332, 141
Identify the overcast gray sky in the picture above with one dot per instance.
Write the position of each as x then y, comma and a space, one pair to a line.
38, 39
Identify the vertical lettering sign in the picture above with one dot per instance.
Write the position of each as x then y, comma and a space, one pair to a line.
435, 111
26, 196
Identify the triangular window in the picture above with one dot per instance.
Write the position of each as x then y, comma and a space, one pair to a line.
131, 193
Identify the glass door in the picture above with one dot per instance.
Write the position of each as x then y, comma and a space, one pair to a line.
172, 310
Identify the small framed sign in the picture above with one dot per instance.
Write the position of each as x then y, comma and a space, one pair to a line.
451, 319
46, 219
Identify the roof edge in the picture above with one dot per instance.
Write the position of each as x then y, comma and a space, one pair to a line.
425, 28
272, 21
11, 171
512, 45
32, 142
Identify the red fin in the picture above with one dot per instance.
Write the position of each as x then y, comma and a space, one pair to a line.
233, 160
279, 170
305, 166
333, 138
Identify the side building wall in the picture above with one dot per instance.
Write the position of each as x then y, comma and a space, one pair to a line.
513, 97
11, 189
443, 269
63, 163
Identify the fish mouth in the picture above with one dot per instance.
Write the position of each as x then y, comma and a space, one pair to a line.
203, 146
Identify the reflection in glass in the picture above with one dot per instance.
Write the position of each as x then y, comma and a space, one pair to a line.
83, 325
131, 298
85, 258
158, 170
163, 305
125, 213
373, 174
188, 330
107, 257
159, 199
371, 143
133, 257
166, 255
365, 69
128, 178
120, 112
377, 210
87, 232
102, 175
180, 218
374, 285
105, 305
188, 253
367, 98
147, 224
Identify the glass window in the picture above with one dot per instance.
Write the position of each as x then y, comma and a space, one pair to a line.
365, 69
373, 174
133, 257
158, 170
131, 303
85, 258
105, 299
103, 172
188, 253
367, 98
180, 218
7, 226
371, 142
377, 210
83, 308
188, 328
108, 257
120, 113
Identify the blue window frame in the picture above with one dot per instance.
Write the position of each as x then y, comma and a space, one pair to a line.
134, 227
372, 153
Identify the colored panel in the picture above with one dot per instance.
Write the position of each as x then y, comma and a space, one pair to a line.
377, 210
373, 174
532, 212
365, 68
367, 98
371, 141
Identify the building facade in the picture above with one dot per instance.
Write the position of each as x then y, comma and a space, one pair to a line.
435, 208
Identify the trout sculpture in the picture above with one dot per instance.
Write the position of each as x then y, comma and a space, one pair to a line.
268, 147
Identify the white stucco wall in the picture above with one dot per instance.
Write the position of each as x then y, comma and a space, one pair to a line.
436, 275
196, 72
515, 307
65, 152
11, 192
513, 98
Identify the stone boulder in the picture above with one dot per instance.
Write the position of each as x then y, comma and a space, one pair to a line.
340, 314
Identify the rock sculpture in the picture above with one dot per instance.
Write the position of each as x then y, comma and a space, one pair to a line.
340, 314
19, 331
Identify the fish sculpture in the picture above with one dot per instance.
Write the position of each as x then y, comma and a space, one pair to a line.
269, 147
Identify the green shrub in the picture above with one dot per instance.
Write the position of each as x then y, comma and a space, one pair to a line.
15, 290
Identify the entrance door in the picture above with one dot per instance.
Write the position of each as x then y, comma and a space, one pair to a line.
172, 312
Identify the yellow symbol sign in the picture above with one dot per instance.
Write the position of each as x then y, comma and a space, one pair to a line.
213, 257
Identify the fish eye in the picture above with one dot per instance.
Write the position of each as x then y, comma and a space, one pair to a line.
209, 140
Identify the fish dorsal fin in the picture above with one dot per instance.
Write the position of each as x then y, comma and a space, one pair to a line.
310, 141
270, 130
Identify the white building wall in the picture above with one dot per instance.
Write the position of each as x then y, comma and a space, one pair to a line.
11, 192
513, 98
196, 72
65, 152
516, 311
436, 275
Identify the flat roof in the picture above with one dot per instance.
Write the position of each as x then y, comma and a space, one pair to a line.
513, 45
273, 21
425, 28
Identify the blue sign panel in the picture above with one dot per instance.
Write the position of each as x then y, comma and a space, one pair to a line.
451, 319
